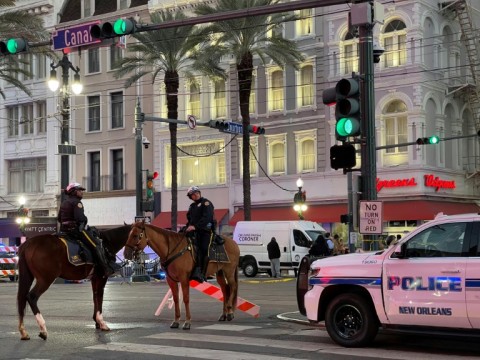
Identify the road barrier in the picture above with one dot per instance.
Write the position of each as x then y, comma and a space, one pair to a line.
214, 292
12, 273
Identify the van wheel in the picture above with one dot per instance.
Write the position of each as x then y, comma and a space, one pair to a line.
250, 268
351, 321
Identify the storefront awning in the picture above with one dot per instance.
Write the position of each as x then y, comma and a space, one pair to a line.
163, 220
392, 210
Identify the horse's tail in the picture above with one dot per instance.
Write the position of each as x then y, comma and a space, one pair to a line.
25, 280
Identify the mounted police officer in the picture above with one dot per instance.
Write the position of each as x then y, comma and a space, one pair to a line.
200, 219
73, 222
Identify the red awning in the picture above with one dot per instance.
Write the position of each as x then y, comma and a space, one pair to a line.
163, 219
318, 213
392, 210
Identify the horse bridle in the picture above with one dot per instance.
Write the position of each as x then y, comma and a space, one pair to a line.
139, 237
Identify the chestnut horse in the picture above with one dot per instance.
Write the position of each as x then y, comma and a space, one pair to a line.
175, 252
43, 258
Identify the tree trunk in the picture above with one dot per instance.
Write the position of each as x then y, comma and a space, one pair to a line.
171, 86
245, 70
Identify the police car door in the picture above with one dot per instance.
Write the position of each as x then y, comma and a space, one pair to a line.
473, 278
427, 286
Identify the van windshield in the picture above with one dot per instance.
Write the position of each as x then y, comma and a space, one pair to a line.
313, 234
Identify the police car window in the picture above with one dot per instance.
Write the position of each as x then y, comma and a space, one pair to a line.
445, 240
300, 239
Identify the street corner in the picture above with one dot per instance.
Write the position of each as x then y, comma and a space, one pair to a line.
296, 317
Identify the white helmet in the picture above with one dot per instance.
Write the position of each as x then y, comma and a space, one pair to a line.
192, 190
72, 187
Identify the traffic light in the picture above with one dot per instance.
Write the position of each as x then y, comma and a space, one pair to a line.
254, 129
108, 30
13, 46
432, 140
149, 184
218, 124
347, 109
345, 218
343, 156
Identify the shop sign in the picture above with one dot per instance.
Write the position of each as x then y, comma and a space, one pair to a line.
430, 181
435, 182
395, 183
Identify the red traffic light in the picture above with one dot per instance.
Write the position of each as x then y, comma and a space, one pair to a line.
254, 129
155, 175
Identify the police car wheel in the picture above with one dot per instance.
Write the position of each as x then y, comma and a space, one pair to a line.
351, 321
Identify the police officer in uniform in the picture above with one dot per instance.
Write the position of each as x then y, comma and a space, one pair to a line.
200, 218
73, 222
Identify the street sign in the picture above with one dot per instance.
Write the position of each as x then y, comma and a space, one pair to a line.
371, 217
147, 219
74, 36
234, 128
191, 121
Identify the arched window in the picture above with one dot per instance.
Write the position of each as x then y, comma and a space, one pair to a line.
350, 54
396, 126
277, 156
395, 44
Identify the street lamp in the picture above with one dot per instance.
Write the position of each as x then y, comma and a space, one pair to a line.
64, 148
299, 200
22, 214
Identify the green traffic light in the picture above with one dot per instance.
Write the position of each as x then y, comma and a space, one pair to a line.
347, 127
16, 45
123, 27
433, 139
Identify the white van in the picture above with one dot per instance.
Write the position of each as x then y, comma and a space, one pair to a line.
293, 237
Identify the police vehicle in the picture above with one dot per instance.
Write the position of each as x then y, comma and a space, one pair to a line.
427, 281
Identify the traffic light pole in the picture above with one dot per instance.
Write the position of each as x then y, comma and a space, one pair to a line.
138, 156
367, 103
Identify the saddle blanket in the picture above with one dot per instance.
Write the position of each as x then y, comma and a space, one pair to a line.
217, 253
77, 255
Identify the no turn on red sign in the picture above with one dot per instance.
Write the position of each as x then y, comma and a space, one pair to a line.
371, 217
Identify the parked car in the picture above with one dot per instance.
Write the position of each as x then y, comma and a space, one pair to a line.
7, 266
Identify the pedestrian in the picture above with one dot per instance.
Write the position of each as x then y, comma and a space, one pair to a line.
319, 247
200, 224
339, 248
391, 239
330, 243
73, 222
274, 255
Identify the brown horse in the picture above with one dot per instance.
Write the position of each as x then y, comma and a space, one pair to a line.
43, 258
175, 252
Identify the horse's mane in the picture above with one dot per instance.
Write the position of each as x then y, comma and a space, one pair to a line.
169, 233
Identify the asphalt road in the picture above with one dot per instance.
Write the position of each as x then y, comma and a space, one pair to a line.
278, 333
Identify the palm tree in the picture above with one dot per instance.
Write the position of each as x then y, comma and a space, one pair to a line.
168, 52
14, 23
245, 38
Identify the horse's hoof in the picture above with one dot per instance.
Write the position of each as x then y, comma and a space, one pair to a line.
174, 325
222, 317
186, 326
43, 335
106, 328
25, 337
230, 317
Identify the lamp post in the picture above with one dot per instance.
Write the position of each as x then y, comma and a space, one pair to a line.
64, 148
299, 200
22, 215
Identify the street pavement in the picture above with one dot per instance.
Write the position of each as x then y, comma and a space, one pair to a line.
279, 332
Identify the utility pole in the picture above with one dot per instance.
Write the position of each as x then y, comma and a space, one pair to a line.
138, 157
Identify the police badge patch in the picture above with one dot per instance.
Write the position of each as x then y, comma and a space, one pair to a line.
80, 205
207, 203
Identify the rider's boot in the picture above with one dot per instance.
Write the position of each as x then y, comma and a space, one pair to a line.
197, 274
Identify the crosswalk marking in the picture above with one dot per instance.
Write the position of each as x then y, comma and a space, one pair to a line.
184, 352
229, 327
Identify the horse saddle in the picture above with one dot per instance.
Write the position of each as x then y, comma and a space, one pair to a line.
216, 250
77, 253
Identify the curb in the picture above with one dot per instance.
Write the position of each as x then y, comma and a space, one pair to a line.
293, 316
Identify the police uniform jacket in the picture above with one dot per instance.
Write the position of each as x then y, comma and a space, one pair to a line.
71, 213
200, 214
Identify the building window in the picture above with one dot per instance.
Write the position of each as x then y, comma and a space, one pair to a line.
198, 164
252, 103
306, 86
396, 126
27, 119
28, 66
41, 118
274, 30
350, 54
194, 100
116, 101
12, 113
277, 158
87, 8
306, 156
117, 169
123, 4
253, 158
41, 66
94, 171
27, 175
93, 60
304, 24
276, 91
93, 113
395, 44
116, 54
219, 100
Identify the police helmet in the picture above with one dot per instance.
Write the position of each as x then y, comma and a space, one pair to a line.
192, 190
72, 187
